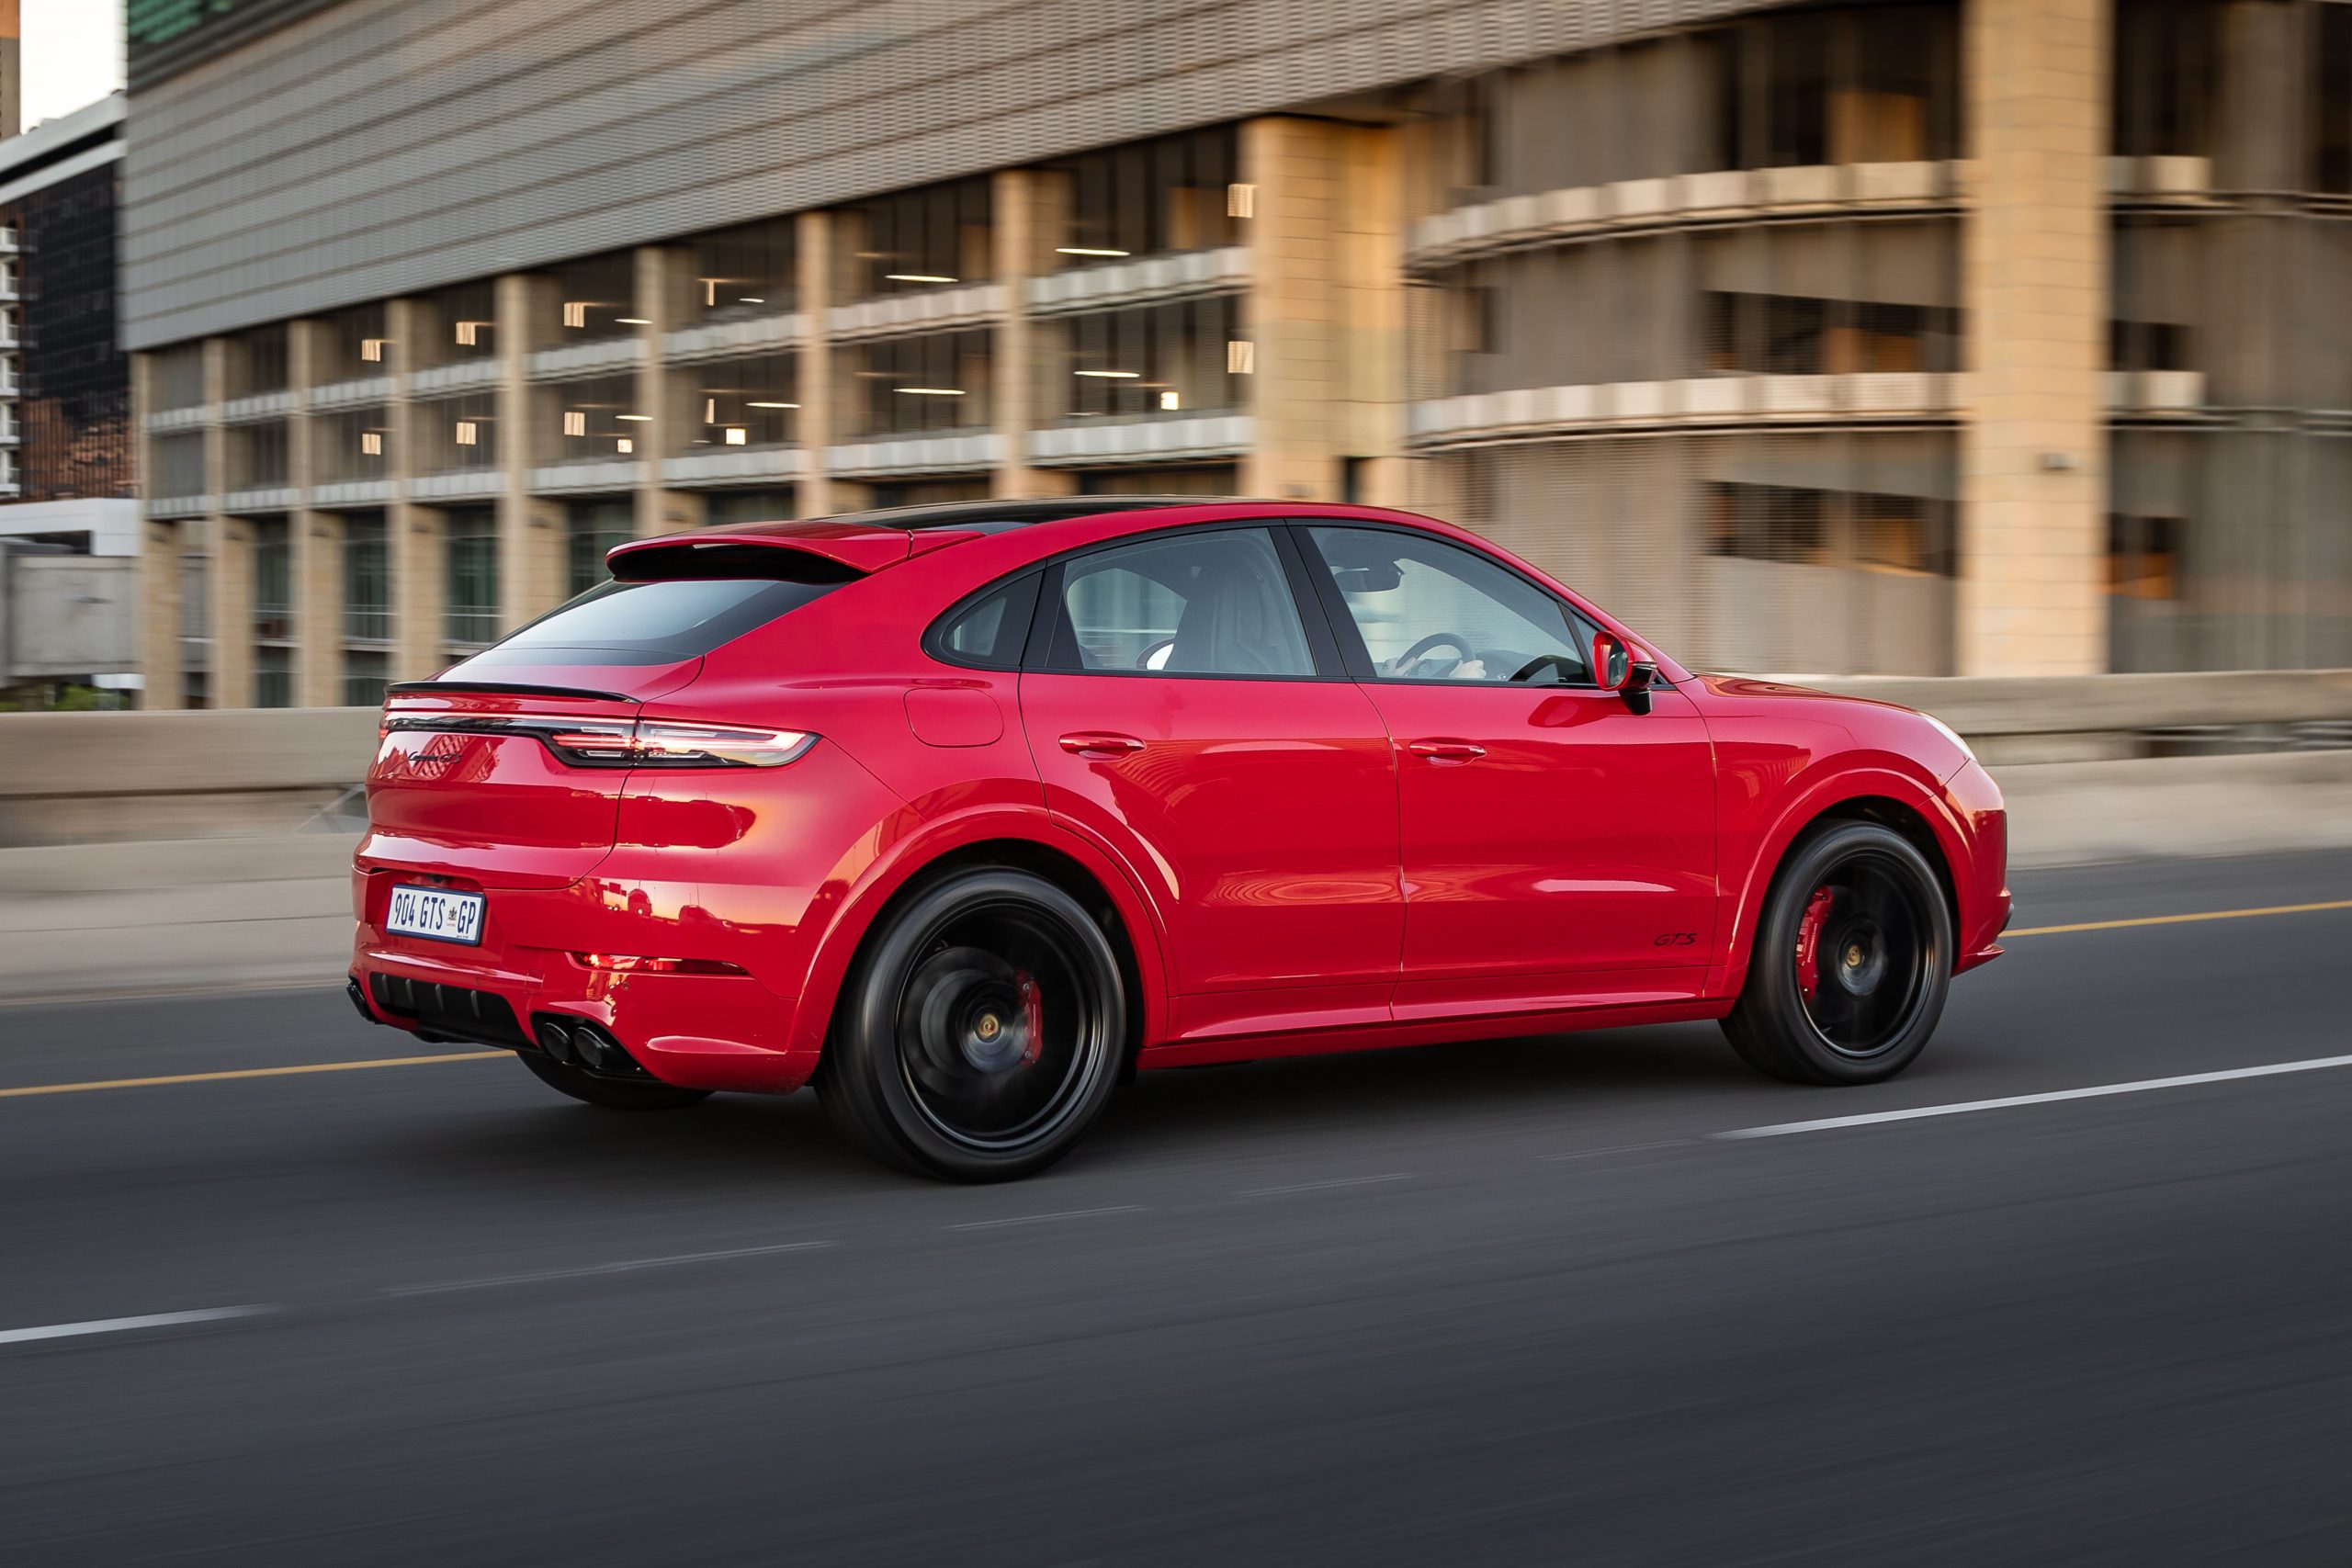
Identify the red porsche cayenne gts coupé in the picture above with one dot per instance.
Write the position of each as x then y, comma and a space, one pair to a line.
964, 812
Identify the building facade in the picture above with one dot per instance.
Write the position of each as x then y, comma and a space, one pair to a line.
1988, 336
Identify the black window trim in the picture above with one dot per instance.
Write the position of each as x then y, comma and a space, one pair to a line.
1322, 646
934, 636
1358, 657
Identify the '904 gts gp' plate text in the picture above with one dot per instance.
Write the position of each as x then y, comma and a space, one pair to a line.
436, 914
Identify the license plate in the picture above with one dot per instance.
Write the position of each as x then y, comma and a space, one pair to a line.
436, 914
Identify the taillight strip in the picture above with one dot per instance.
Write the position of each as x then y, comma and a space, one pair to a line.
620, 742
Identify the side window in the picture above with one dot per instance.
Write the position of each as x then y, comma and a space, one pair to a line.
1434, 610
991, 631
1215, 604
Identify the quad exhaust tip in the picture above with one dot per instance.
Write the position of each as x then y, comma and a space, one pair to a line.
578, 1043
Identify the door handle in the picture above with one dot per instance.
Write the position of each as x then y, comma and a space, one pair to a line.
1446, 750
1100, 743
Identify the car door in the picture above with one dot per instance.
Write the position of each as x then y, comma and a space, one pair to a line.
1186, 715
1558, 846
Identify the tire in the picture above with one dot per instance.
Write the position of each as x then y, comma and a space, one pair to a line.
1871, 910
980, 1030
610, 1093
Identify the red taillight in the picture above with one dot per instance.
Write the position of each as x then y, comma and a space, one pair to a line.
627, 963
624, 743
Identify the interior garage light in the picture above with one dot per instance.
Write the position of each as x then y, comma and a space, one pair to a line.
1088, 251
468, 434
469, 333
1113, 375
632, 322
636, 418
575, 423
1170, 400
1240, 357
575, 312
770, 405
624, 445
930, 391
919, 278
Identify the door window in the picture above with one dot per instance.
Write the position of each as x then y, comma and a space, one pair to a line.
1213, 604
1430, 610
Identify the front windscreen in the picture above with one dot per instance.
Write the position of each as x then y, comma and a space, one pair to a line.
650, 623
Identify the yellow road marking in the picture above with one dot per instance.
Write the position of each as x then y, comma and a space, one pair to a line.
251, 1073
2180, 920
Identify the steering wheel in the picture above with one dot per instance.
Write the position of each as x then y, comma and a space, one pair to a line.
1435, 639
1564, 668
1155, 656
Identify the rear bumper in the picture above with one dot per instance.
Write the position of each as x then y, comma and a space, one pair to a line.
714, 1031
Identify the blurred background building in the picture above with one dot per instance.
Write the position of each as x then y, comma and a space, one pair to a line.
69, 516
2001, 336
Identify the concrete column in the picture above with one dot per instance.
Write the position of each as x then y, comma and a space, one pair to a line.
663, 277
814, 244
159, 566
417, 541
1325, 317
2033, 447
228, 547
532, 569
416, 554
1022, 225
314, 538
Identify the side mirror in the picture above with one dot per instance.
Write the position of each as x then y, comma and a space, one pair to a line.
1614, 669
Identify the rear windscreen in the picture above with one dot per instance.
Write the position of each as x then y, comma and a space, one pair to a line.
652, 623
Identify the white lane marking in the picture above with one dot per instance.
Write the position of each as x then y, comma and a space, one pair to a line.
2097, 1091
1318, 1186
589, 1270
1041, 1219
122, 1325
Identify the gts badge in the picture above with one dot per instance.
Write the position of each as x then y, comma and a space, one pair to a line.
1675, 939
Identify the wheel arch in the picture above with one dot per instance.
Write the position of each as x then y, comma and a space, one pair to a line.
1023, 844
1892, 800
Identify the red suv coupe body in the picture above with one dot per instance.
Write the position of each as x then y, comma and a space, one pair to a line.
964, 812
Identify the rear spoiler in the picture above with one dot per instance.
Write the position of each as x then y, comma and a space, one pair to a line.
815, 552
498, 689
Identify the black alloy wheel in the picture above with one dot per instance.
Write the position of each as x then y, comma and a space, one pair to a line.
980, 1029
1852, 960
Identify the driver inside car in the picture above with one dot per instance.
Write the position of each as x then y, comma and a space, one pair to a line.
1434, 667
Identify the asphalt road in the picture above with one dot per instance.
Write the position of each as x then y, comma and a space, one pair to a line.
1503, 1303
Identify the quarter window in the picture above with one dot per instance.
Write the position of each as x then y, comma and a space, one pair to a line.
1432, 611
992, 632
1216, 603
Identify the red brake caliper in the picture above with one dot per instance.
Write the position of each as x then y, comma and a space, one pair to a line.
1033, 1017
1817, 914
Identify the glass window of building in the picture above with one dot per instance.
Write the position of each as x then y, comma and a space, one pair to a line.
273, 676
1771, 334
459, 433
593, 299
1814, 528
741, 402
912, 385
457, 324
1870, 84
2331, 118
257, 361
729, 507
592, 527
257, 454
1174, 193
1151, 360
595, 417
915, 240
2166, 55
175, 465
352, 444
367, 579
471, 533
273, 582
175, 376
367, 675
353, 345
751, 270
